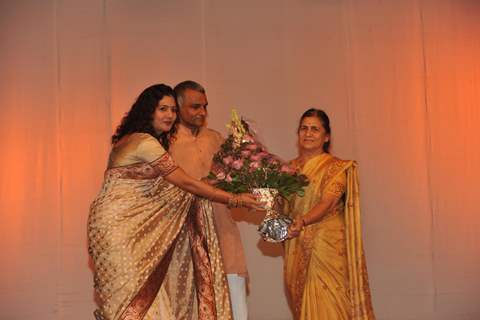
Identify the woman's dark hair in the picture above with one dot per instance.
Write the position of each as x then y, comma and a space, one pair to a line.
325, 121
140, 116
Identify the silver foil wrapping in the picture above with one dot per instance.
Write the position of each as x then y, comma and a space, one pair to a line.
274, 227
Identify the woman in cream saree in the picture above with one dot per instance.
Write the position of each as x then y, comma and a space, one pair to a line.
325, 272
153, 244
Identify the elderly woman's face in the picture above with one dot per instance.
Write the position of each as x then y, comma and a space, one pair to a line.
312, 134
164, 115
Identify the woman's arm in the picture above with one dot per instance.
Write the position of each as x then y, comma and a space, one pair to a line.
149, 149
179, 178
330, 197
326, 204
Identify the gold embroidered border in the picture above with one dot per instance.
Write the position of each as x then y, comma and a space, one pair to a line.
162, 166
334, 166
138, 307
202, 266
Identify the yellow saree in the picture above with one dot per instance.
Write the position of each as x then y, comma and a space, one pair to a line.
325, 272
153, 246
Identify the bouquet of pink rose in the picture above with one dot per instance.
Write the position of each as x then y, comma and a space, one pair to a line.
243, 164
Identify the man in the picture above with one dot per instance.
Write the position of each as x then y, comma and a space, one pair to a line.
193, 147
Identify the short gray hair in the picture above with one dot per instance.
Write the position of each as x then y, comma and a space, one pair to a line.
184, 86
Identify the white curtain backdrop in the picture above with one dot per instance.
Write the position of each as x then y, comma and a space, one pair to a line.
399, 79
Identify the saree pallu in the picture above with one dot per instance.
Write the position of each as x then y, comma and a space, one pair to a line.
325, 271
154, 249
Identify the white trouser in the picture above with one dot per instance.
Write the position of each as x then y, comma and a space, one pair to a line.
238, 296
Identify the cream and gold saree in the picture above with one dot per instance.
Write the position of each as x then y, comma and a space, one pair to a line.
325, 272
154, 247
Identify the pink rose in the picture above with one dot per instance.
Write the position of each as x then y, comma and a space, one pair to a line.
246, 153
287, 169
237, 164
228, 178
263, 154
255, 165
221, 175
255, 157
227, 160
259, 156
252, 146
273, 161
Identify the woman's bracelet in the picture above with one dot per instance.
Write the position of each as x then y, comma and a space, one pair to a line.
234, 202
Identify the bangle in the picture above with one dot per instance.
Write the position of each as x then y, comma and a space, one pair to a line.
233, 202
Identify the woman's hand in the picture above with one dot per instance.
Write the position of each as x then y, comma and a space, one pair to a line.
182, 180
246, 200
295, 228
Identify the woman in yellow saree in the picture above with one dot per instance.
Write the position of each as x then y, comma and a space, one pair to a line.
152, 241
325, 272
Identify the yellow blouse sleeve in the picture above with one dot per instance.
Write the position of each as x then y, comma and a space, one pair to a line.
150, 150
338, 186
